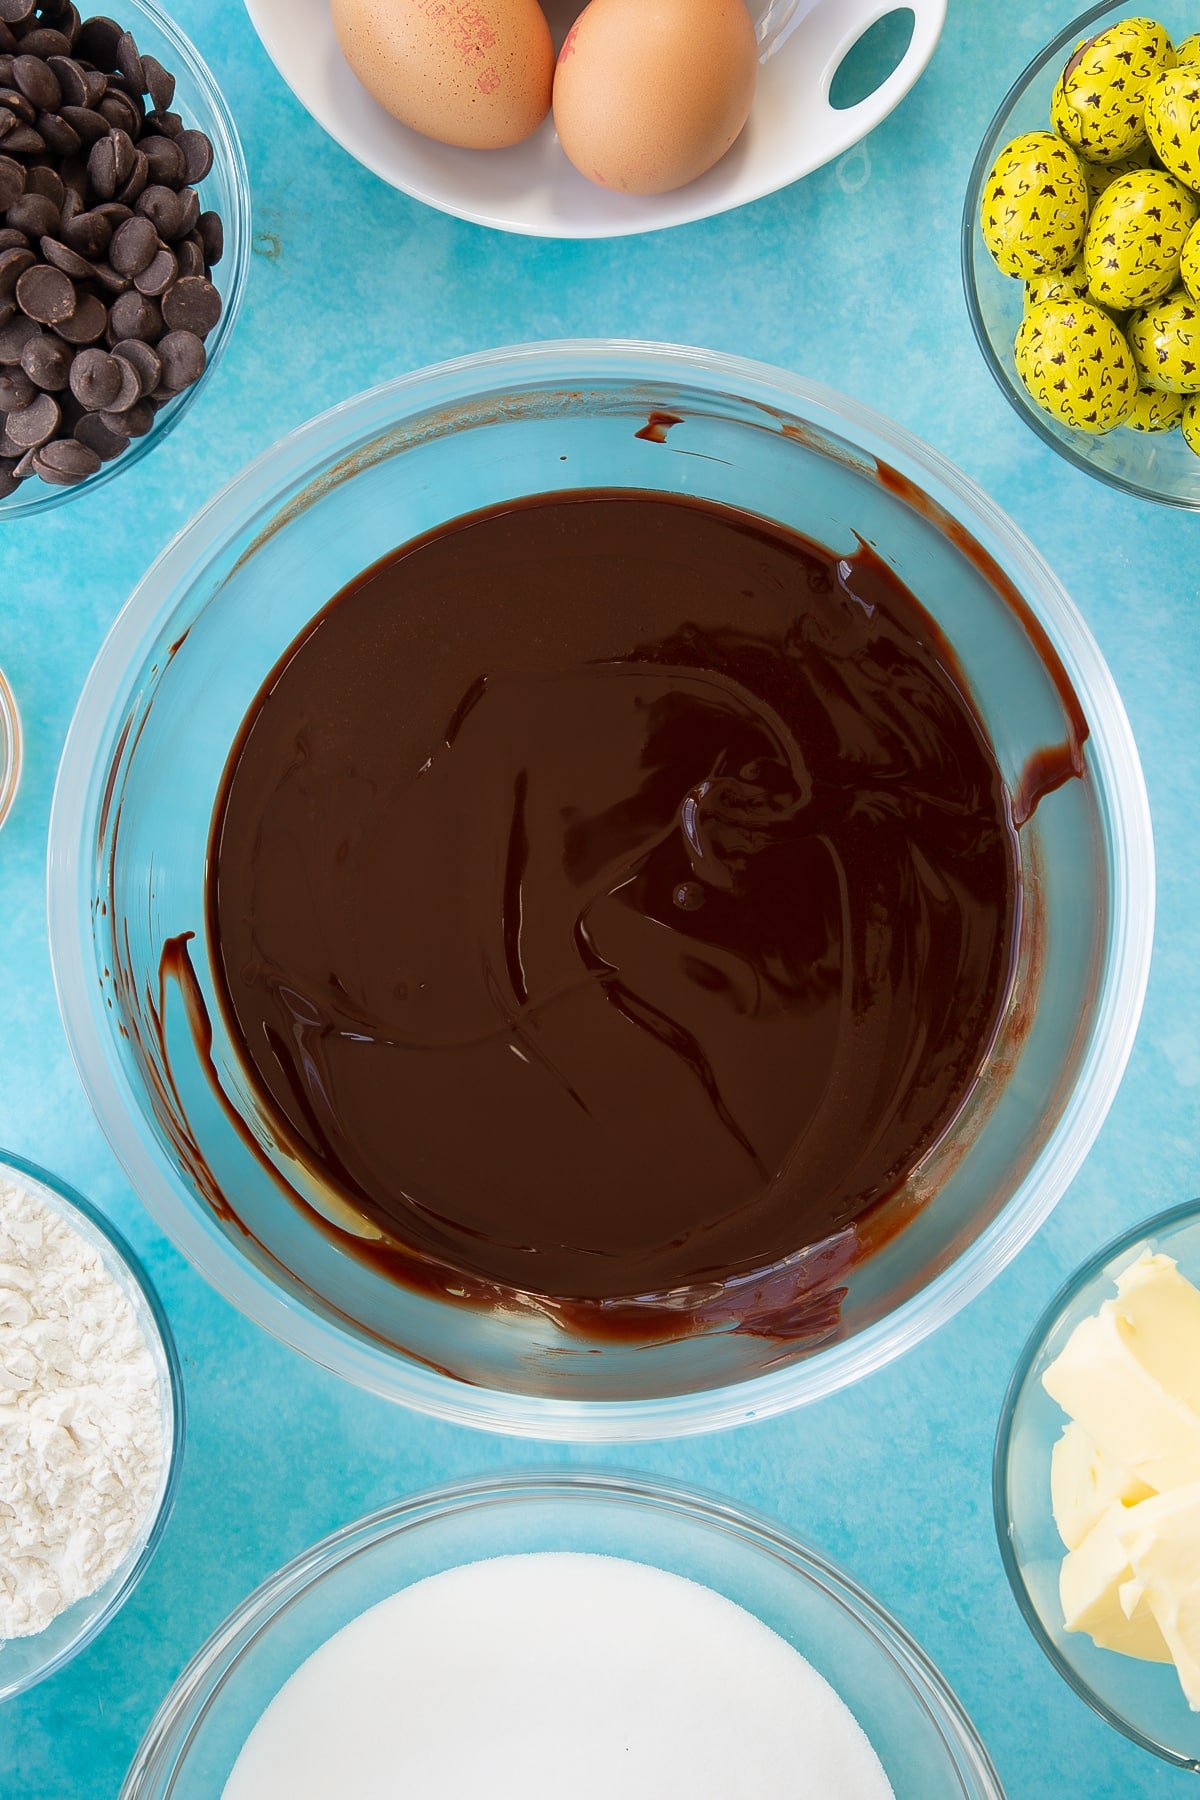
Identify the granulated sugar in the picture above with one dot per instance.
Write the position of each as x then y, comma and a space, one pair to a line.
81, 1436
534, 1677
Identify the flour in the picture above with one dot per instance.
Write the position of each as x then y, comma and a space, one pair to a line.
81, 1436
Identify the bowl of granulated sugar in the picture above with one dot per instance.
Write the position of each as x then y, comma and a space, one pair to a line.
570, 1633
91, 1423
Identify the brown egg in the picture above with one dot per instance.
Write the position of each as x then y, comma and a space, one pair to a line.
648, 94
472, 72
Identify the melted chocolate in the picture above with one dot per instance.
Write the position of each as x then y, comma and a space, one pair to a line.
614, 894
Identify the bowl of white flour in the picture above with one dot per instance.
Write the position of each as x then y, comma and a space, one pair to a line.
91, 1423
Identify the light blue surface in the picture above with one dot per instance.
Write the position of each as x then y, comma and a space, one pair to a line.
850, 277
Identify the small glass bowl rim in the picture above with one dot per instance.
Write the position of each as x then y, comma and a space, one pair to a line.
984, 158
1075, 1284
254, 1617
12, 743
73, 1200
291, 462
227, 150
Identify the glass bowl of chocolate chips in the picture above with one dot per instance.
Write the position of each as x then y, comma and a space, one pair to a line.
124, 241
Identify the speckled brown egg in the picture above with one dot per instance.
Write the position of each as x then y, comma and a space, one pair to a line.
1165, 340
1173, 121
1099, 103
648, 94
1135, 238
477, 75
1034, 208
1076, 365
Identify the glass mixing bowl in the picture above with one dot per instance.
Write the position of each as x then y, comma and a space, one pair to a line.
169, 690
920, 1732
225, 189
1155, 465
1144, 1700
10, 749
28, 1660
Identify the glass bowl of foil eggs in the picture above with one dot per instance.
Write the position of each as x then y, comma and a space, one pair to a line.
1081, 249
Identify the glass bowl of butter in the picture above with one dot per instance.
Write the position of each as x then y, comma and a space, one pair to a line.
1096, 1484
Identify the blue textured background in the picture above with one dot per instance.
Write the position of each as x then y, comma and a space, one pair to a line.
852, 277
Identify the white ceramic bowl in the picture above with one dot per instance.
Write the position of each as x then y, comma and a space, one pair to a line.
532, 188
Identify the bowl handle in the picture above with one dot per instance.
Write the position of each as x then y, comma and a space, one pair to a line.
831, 30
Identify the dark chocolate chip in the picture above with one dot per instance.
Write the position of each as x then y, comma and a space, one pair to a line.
65, 462
8, 307
97, 380
11, 239
97, 41
157, 277
46, 43
190, 255
134, 315
198, 153
92, 431
120, 110
89, 127
15, 102
102, 167
182, 356
134, 246
164, 209
192, 305
14, 336
45, 294
37, 81
23, 140
15, 12
57, 135
47, 362
89, 233
144, 360
169, 124
34, 214
133, 189
160, 84
110, 279
35, 423
87, 323
189, 211
40, 178
10, 481
130, 63
97, 86
13, 264
12, 181
61, 256
135, 421
16, 389
212, 238
72, 82
166, 159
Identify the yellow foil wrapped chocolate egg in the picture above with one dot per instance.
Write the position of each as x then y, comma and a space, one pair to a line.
1035, 206
1190, 420
1135, 238
1099, 101
1153, 411
1070, 283
1076, 364
1173, 121
1098, 176
1189, 262
1187, 50
1165, 340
